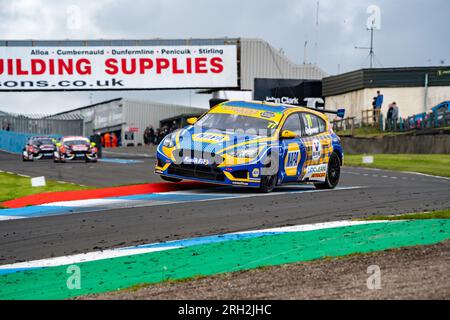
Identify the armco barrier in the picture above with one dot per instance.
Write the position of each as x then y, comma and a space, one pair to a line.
15, 141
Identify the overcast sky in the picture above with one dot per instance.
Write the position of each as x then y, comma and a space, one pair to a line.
413, 33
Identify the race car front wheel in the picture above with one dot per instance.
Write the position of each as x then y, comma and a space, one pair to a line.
333, 173
268, 183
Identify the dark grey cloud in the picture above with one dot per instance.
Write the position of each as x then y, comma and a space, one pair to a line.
414, 32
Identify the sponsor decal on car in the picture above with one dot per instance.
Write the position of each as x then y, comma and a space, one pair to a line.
210, 137
316, 150
79, 148
316, 173
255, 173
292, 160
189, 160
268, 115
238, 183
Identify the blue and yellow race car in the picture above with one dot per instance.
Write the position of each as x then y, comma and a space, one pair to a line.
254, 144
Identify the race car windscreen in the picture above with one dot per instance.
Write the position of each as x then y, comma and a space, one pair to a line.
42, 141
76, 142
237, 123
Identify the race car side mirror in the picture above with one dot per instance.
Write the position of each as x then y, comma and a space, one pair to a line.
287, 134
192, 120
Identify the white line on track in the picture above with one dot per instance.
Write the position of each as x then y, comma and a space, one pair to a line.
427, 175
404, 172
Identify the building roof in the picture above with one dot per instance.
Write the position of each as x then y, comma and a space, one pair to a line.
385, 78
85, 107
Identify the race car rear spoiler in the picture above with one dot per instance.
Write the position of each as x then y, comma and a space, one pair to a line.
214, 102
340, 112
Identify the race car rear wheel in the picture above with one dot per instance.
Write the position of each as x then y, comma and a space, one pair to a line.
171, 179
333, 173
268, 183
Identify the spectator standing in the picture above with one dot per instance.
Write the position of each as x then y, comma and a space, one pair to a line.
378, 105
151, 136
114, 140
379, 102
157, 135
107, 138
395, 112
173, 127
374, 106
392, 116
146, 142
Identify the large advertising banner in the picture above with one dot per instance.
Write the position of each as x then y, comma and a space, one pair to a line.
117, 68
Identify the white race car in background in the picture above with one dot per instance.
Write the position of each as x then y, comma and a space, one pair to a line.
75, 148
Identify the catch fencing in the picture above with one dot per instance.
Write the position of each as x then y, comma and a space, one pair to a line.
41, 125
431, 120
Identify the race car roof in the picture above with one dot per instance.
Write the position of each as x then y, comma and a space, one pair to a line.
266, 106
74, 138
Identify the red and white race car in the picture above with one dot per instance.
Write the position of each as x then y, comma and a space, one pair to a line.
75, 148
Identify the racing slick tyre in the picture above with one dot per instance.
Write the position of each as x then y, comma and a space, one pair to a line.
333, 173
268, 183
171, 179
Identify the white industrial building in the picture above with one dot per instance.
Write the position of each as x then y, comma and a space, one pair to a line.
127, 118
415, 90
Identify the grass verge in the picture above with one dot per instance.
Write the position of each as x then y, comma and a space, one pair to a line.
13, 186
433, 164
442, 214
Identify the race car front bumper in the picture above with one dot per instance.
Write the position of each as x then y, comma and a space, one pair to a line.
76, 156
247, 175
44, 154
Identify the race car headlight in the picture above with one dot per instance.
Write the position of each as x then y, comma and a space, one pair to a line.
168, 141
244, 153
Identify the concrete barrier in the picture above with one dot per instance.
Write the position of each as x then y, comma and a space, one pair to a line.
15, 141
400, 144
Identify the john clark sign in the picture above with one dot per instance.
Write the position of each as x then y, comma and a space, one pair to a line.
117, 68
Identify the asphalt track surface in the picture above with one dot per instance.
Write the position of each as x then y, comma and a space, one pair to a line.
375, 192
101, 174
